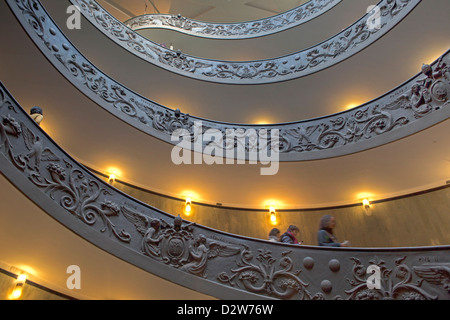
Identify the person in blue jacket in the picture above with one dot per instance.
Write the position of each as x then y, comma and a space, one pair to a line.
325, 234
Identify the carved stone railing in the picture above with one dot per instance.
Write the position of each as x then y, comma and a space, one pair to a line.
239, 30
323, 55
216, 263
417, 104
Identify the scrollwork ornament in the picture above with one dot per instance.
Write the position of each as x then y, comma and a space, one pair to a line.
336, 134
73, 191
268, 276
225, 264
396, 283
348, 42
241, 30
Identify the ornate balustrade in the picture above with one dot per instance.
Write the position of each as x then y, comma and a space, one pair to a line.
213, 262
323, 55
241, 30
413, 106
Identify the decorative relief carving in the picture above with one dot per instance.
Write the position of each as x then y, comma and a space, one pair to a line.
396, 283
435, 273
302, 140
351, 40
176, 244
267, 275
254, 268
242, 30
63, 183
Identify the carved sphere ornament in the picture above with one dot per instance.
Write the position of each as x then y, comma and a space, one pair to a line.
308, 263
216, 263
334, 265
222, 265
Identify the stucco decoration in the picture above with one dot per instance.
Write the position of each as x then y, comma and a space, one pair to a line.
241, 30
348, 42
213, 262
413, 106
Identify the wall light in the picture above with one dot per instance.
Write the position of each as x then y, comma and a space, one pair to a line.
113, 173
188, 206
111, 178
273, 215
366, 205
18, 287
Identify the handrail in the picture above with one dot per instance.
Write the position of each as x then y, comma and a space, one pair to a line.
348, 42
213, 262
413, 106
239, 30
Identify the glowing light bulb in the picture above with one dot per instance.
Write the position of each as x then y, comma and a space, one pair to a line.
18, 288
188, 206
366, 203
273, 215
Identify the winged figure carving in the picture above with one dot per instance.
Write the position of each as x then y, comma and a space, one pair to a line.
36, 148
435, 273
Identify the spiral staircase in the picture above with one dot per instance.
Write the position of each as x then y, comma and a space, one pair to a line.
345, 101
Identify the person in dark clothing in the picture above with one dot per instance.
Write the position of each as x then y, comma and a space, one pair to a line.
291, 235
325, 235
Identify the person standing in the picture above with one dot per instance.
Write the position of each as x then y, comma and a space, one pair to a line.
325, 234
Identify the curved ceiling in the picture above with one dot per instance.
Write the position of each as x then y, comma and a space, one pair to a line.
99, 140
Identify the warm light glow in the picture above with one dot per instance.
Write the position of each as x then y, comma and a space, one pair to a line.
24, 269
16, 294
22, 278
189, 194
366, 203
111, 178
272, 203
113, 173
273, 215
188, 206
365, 195
352, 105
262, 122
18, 287
113, 170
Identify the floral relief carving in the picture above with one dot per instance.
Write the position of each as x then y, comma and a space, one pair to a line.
396, 283
348, 42
254, 267
83, 197
302, 140
268, 275
242, 30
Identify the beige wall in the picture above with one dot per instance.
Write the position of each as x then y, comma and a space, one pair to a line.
420, 219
